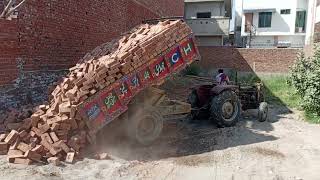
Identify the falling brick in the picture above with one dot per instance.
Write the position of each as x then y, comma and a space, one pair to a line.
70, 157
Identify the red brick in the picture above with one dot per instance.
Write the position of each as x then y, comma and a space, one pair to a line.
38, 149
33, 156
3, 148
63, 146
47, 137
23, 147
12, 136
54, 137
24, 161
15, 144
15, 153
70, 157
43, 128
2, 137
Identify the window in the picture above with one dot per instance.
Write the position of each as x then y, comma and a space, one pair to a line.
204, 15
285, 11
301, 21
265, 19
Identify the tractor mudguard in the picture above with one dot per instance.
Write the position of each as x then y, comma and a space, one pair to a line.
220, 88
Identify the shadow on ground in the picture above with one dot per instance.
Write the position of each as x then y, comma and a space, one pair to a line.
182, 137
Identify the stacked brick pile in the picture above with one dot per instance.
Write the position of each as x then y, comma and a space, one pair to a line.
56, 132
12, 118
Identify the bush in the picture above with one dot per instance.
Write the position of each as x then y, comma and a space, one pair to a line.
305, 77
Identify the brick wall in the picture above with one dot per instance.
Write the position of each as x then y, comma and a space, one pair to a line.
49, 36
165, 7
8, 50
1, 5
247, 60
135, 13
56, 34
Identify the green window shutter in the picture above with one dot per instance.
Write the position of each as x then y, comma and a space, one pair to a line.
301, 19
265, 19
261, 19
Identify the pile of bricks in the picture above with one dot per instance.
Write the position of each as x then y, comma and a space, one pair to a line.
56, 132
13, 118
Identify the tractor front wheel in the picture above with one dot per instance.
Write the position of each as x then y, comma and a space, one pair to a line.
263, 112
225, 109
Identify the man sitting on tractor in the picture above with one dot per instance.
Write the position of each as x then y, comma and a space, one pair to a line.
222, 78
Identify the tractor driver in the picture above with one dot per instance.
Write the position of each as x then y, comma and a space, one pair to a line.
222, 78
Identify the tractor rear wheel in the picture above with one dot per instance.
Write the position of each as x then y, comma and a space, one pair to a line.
225, 109
145, 125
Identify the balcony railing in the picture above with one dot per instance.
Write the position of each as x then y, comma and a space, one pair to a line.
210, 27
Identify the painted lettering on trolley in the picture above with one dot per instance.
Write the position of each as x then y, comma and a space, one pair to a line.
110, 100
159, 68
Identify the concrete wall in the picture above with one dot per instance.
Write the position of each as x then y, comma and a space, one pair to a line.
210, 27
318, 14
271, 41
317, 33
216, 9
317, 24
209, 40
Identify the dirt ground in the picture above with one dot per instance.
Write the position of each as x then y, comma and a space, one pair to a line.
283, 148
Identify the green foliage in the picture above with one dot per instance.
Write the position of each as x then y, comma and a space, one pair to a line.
305, 77
312, 117
249, 79
278, 91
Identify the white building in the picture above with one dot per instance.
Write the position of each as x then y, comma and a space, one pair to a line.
318, 12
274, 23
209, 20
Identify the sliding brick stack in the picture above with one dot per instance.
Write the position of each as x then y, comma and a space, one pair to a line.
59, 130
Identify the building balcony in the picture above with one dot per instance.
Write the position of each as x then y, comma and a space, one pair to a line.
210, 27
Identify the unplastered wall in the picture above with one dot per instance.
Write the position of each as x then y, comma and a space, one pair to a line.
164, 8
53, 35
9, 50
50, 36
247, 60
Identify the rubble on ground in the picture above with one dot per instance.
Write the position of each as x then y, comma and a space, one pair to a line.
56, 132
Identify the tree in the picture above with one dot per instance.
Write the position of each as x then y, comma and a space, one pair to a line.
9, 8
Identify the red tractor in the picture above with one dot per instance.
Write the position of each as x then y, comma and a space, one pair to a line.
223, 103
